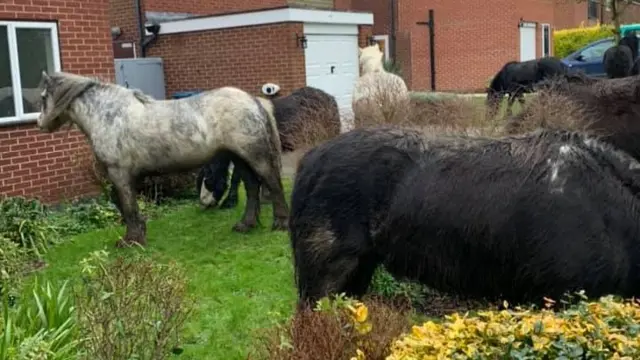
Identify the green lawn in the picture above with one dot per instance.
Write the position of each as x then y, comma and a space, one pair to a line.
242, 282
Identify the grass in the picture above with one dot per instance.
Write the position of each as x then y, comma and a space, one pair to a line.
242, 282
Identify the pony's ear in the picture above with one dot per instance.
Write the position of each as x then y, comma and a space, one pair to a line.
46, 79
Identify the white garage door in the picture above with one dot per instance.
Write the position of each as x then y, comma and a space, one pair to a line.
332, 66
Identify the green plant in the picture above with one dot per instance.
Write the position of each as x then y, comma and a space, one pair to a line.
131, 308
13, 260
24, 222
385, 285
392, 66
41, 327
567, 41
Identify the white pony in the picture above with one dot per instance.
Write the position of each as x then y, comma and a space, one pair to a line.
376, 88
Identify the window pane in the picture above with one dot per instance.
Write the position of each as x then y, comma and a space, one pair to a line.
546, 37
6, 85
35, 54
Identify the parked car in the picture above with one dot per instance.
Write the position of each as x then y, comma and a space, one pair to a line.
589, 58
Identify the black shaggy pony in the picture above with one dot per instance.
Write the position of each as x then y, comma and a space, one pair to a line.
341, 192
517, 78
618, 61
621, 60
516, 218
307, 104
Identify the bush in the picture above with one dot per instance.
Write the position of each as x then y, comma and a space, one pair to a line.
131, 308
336, 329
595, 330
12, 264
80, 217
24, 222
42, 326
569, 40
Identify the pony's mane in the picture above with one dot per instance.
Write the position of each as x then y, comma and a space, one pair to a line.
142, 97
64, 88
498, 78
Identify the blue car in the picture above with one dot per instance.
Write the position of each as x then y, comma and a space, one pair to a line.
589, 58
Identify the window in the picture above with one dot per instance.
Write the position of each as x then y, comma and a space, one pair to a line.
383, 42
592, 9
26, 48
546, 40
596, 51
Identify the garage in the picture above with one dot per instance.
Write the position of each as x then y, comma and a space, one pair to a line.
331, 61
289, 47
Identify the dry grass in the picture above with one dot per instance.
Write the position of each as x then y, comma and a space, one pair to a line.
552, 108
314, 124
313, 335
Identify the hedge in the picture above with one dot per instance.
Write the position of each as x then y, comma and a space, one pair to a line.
569, 40
604, 329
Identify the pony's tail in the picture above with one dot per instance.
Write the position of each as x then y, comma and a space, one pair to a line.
268, 106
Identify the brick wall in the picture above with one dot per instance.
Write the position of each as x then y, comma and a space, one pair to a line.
472, 41
316, 4
381, 10
210, 7
244, 57
122, 13
35, 164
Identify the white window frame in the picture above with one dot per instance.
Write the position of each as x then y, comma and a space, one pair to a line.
20, 116
385, 38
542, 39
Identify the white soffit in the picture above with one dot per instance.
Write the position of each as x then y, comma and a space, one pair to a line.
265, 17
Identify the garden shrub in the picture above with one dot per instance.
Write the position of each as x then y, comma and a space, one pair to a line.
42, 326
25, 223
567, 41
12, 263
336, 329
604, 329
131, 308
84, 216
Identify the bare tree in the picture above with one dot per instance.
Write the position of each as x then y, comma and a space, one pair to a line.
617, 9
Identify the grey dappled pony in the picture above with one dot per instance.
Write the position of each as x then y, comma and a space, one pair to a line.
133, 135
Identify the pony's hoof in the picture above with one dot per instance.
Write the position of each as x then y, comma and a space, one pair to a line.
228, 204
242, 227
280, 224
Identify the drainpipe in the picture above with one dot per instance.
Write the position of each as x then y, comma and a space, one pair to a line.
392, 36
154, 29
138, 6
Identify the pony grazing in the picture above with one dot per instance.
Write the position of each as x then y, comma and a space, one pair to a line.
377, 91
517, 78
133, 135
514, 218
307, 109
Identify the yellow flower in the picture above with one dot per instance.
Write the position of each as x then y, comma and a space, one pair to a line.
361, 313
363, 328
359, 355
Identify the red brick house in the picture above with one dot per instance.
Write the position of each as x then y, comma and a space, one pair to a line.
212, 43
198, 38
475, 38
52, 35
